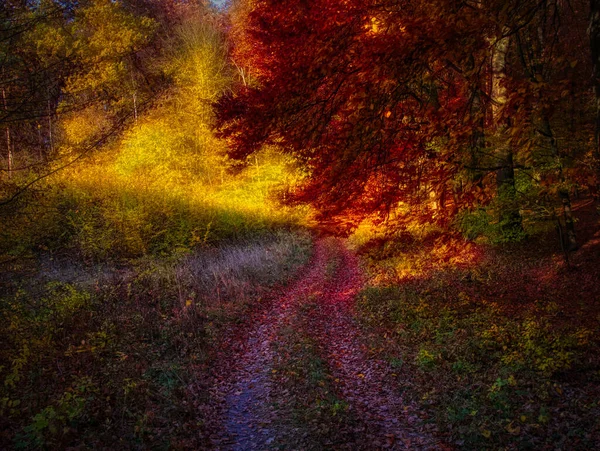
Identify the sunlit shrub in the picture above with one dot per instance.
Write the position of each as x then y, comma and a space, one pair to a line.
81, 126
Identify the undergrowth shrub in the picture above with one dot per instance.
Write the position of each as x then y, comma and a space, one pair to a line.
483, 223
67, 413
118, 358
479, 369
486, 349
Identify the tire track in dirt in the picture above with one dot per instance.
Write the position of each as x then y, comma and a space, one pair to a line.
250, 421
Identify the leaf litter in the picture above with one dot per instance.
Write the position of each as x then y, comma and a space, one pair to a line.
250, 400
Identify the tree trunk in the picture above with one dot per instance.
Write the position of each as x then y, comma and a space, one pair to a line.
510, 219
594, 32
509, 214
9, 153
533, 44
570, 239
135, 109
477, 119
50, 136
477, 115
530, 45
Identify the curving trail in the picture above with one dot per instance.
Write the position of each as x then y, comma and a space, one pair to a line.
251, 420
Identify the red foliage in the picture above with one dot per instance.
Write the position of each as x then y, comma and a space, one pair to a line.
342, 96
374, 98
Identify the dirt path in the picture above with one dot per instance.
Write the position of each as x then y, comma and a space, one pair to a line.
251, 420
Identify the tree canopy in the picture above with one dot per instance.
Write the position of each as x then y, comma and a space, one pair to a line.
430, 104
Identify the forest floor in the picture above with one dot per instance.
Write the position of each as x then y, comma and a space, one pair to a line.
306, 378
499, 343
428, 343
417, 340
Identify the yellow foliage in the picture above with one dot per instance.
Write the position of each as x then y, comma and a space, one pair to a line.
104, 34
83, 125
165, 183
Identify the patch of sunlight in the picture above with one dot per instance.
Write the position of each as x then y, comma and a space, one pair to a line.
165, 185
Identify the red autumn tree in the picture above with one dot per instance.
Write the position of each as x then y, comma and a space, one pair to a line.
348, 88
391, 101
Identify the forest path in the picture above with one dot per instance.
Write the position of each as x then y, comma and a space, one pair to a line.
253, 401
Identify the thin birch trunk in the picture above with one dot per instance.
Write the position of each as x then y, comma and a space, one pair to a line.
9, 152
594, 33
509, 216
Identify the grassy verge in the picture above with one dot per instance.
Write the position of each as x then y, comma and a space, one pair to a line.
103, 356
501, 348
